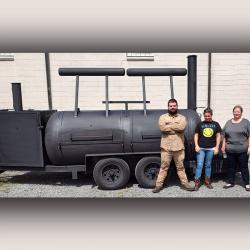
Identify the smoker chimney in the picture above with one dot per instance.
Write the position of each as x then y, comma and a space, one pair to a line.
17, 96
192, 82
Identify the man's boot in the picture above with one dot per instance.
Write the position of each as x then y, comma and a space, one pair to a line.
187, 187
208, 183
197, 184
157, 189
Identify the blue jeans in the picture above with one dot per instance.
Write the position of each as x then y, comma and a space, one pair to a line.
207, 156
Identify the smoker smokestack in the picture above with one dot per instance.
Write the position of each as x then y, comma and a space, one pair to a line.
17, 96
192, 82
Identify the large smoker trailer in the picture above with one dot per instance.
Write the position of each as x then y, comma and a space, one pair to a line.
110, 144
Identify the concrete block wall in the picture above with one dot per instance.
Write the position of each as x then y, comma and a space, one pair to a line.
29, 69
230, 81
230, 84
92, 89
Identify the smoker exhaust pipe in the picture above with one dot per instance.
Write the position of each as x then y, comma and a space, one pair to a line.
17, 96
47, 66
192, 82
209, 80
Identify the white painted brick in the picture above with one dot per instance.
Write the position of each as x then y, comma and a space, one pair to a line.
230, 81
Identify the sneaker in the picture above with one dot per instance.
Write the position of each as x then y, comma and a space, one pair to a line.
187, 187
157, 189
228, 185
247, 187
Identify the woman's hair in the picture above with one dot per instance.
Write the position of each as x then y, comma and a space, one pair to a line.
239, 107
208, 110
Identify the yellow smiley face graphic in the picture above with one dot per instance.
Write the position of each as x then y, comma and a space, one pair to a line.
208, 132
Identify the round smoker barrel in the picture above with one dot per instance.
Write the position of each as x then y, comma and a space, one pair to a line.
91, 71
156, 72
69, 139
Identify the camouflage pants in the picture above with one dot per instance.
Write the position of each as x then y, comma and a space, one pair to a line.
166, 157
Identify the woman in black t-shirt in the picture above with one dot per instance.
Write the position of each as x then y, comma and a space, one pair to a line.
207, 141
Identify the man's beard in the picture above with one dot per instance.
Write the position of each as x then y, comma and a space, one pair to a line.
172, 112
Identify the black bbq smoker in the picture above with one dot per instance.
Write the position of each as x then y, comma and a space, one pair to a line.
110, 144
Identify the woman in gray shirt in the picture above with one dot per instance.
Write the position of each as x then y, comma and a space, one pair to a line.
236, 144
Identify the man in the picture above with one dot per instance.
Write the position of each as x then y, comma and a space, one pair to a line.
172, 126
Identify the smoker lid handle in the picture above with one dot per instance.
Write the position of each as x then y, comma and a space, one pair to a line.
91, 71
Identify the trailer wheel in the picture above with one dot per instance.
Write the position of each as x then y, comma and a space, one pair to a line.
146, 171
111, 173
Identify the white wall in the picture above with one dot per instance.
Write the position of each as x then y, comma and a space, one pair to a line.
29, 69
92, 89
230, 81
230, 84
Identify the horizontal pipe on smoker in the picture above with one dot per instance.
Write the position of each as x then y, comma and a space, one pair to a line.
91, 71
156, 72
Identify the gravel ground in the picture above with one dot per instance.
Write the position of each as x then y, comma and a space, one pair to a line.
40, 184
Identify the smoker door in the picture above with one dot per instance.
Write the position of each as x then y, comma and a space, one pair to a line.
98, 141
21, 139
146, 133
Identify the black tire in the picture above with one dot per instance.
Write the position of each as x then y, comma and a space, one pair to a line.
111, 173
146, 171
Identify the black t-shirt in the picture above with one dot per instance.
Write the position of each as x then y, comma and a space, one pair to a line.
207, 133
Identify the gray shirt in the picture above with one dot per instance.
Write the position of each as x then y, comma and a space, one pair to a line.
236, 135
